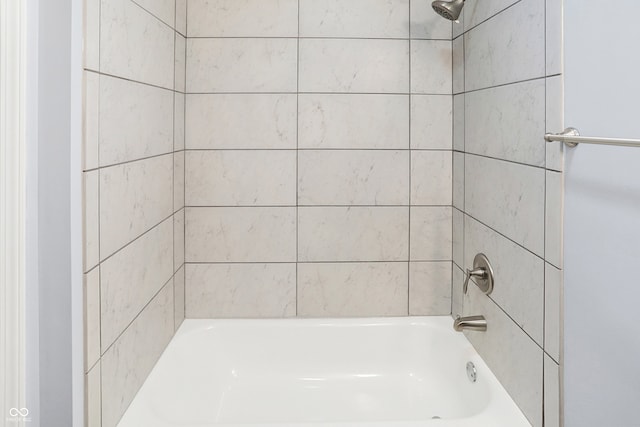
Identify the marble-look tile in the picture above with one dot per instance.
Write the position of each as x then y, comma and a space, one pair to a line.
181, 17
126, 365
179, 297
341, 177
555, 121
429, 288
426, 24
456, 292
519, 276
352, 289
241, 178
458, 237
353, 233
431, 229
458, 65
431, 122
180, 63
178, 180
240, 290
514, 358
91, 24
134, 44
508, 197
93, 399
354, 66
241, 65
551, 393
554, 211
507, 48
458, 122
458, 180
458, 27
178, 239
241, 121
178, 122
130, 278
431, 67
91, 318
507, 122
90, 122
133, 198
243, 234
554, 36
246, 18
431, 177
353, 121
552, 311
354, 18
91, 220
479, 11
165, 10
136, 121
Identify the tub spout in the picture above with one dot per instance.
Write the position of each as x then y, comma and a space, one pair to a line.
470, 323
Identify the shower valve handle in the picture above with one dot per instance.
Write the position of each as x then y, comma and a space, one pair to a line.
480, 273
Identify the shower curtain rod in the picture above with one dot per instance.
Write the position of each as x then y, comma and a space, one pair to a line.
571, 137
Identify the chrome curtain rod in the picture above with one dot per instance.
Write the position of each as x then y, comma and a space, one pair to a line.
571, 137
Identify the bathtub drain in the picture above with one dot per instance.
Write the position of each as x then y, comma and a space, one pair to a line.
472, 374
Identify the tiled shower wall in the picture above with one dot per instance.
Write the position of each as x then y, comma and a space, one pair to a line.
507, 82
134, 194
318, 158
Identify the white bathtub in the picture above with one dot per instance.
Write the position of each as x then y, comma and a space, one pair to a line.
395, 372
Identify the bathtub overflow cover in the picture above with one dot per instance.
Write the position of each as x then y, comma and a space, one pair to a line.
471, 372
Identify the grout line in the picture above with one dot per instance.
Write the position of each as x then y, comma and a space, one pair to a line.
515, 322
506, 160
310, 93
496, 86
445, 150
315, 206
316, 262
126, 162
409, 182
140, 81
465, 31
318, 38
155, 16
297, 153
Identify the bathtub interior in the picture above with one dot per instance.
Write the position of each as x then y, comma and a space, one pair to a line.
294, 372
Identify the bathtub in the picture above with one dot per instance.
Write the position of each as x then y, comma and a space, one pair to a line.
389, 372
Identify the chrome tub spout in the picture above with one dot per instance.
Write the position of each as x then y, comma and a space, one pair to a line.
470, 323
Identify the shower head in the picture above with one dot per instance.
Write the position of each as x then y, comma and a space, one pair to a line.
448, 9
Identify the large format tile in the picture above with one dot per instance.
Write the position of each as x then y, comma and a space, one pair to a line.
136, 121
354, 18
241, 121
353, 177
552, 395
241, 178
458, 65
126, 365
553, 303
90, 120
178, 122
431, 67
179, 297
554, 36
352, 289
134, 44
241, 65
431, 229
246, 18
507, 48
130, 278
91, 220
555, 121
458, 180
93, 399
178, 180
133, 198
245, 234
507, 122
508, 197
178, 239
240, 290
354, 121
456, 292
425, 24
353, 233
514, 358
519, 276
458, 122
431, 122
162, 9
91, 318
431, 177
354, 66
479, 11
458, 238
429, 288
181, 17
91, 32
180, 63
554, 211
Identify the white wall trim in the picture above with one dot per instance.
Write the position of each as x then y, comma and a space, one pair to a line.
13, 54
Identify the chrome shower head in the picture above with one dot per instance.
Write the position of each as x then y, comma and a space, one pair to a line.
448, 9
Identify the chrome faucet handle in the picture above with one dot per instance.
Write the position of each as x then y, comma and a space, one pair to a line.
483, 272
480, 273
